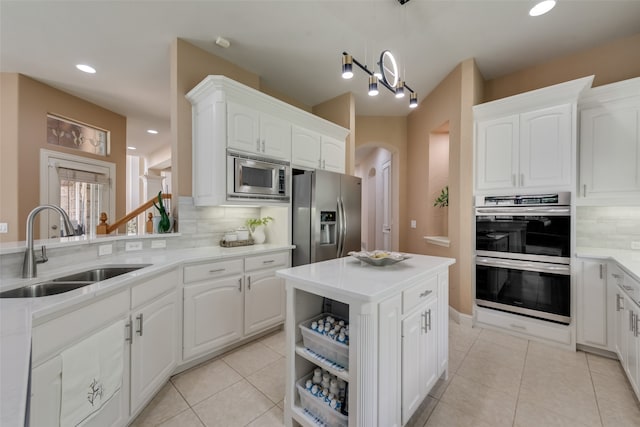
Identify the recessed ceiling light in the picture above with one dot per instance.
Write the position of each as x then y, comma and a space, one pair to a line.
152, 131
131, 148
542, 7
86, 68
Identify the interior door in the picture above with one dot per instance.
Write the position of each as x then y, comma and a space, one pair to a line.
386, 207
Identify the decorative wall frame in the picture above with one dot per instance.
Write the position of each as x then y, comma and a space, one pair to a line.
78, 136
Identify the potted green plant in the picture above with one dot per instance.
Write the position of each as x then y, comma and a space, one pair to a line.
256, 227
442, 201
164, 223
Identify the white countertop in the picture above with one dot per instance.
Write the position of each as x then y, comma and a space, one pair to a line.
628, 260
17, 314
350, 279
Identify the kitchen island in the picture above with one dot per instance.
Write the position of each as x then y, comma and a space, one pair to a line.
397, 340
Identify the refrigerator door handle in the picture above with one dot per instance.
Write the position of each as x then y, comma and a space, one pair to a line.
340, 234
344, 227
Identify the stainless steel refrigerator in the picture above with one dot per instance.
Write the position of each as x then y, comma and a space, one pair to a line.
326, 215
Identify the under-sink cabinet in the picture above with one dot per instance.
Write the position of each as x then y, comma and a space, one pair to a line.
226, 301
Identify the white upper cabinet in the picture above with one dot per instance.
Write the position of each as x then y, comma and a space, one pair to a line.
528, 141
256, 132
497, 153
228, 114
546, 147
314, 151
610, 142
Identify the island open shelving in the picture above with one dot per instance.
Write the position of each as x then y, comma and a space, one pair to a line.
397, 316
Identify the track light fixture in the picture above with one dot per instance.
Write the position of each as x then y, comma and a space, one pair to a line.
386, 74
347, 66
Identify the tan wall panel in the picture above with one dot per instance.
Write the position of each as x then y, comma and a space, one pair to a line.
610, 62
35, 100
9, 156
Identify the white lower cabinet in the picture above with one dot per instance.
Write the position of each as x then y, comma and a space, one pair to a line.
153, 348
419, 356
592, 304
628, 335
225, 301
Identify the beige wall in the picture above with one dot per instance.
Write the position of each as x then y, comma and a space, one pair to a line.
341, 110
451, 102
9, 156
34, 100
389, 133
609, 62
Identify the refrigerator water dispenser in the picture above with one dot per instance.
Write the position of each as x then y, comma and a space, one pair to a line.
327, 227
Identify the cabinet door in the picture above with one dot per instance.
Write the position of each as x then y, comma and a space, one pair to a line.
305, 148
419, 356
545, 147
275, 137
333, 155
153, 347
497, 153
243, 124
212, 315
592, 304
622, 326
610, 149
264, 301
633, 348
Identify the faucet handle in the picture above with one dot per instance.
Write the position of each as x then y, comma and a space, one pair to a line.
43, 258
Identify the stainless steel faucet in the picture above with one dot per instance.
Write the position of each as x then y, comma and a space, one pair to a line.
29, 269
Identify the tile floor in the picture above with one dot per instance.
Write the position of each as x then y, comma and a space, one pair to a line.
494, 380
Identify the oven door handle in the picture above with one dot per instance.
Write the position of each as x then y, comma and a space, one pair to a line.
530, 210
541, 267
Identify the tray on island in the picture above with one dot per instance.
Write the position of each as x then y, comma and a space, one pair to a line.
235, 243
379, 258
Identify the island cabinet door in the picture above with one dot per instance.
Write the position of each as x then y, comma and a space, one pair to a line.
419, 356
389, 360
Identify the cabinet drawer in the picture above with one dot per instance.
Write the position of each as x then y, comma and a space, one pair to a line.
153, 288
418, 294
50, 337
212, 270
280, 259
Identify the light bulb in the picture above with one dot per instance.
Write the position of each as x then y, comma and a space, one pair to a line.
373, 86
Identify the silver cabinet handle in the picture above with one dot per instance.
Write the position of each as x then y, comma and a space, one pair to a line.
617, 276
513, 325
269, 261
425, 293
618, 300
139, 318
636, 333
324, 164
600, 271
258, 144
424, 322
129, 334
218, 270
263, 144
631, 321
249, 282
429, 316
584, 190
240, 285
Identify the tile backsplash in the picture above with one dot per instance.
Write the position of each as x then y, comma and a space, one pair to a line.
607, 227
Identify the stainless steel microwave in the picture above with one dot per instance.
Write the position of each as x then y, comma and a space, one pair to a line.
256, 178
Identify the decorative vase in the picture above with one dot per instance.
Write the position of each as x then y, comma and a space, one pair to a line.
258, 235
156, 224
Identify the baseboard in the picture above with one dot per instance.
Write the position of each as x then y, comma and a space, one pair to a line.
461, 319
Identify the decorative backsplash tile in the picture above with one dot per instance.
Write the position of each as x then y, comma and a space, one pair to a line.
607, 227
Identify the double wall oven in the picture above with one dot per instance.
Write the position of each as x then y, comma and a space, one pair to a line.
523, 255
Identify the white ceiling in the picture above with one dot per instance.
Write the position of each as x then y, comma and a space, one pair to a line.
295, 46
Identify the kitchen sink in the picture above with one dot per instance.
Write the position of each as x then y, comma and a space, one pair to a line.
70, 282
99, 274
